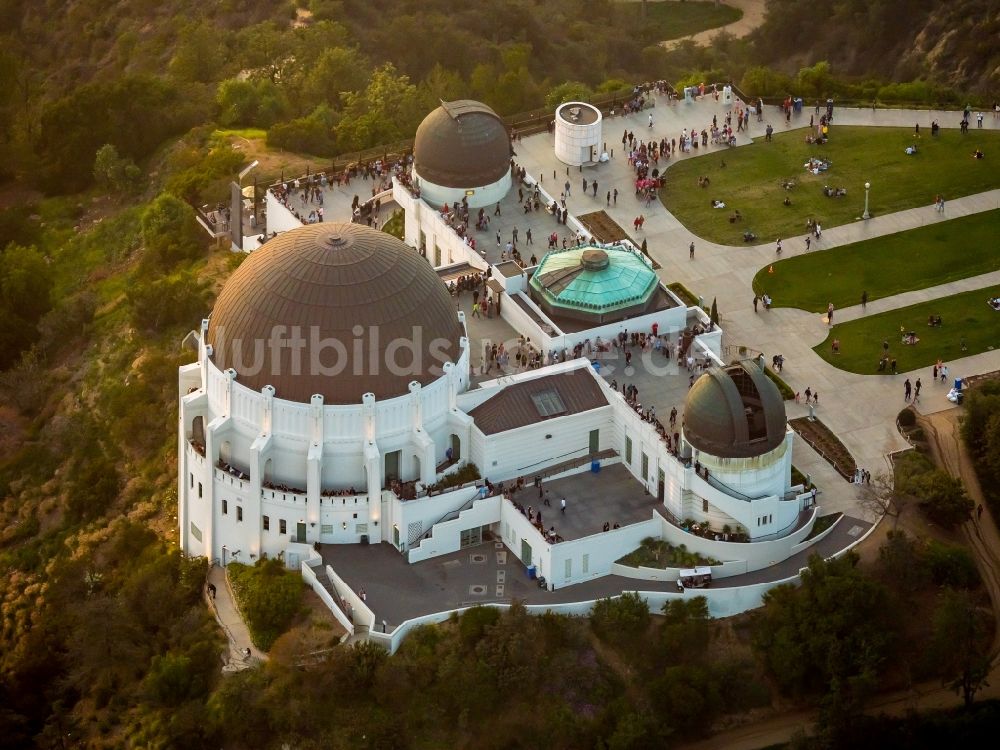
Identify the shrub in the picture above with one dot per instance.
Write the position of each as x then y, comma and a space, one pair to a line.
268, 596
468, 473
621, 619
951, 565
783, 388
170, 231
907, 417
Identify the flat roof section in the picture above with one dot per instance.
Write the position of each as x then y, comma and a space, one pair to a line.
578, 113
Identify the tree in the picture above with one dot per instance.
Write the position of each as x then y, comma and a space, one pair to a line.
942, 498
199, 55
25, 282
961, 644
685, 634
246, 102
387, 110
170, 232
113, 172
714, 314
901, 559
620, 619
337, 70
883, 498
570, 91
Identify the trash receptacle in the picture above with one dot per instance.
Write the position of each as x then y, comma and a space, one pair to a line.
797, 105
595, 467
531, 572
364, 539
959, 397
596, 365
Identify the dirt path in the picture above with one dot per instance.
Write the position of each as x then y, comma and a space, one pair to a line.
753, 16
942, 431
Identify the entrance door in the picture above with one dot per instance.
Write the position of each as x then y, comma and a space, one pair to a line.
595, 441
471, 537
456, 448
300, 533
391, 466
525, 552
660, 482
395, 536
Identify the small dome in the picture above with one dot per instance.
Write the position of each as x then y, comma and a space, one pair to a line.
462, 144
334, 309
734, 412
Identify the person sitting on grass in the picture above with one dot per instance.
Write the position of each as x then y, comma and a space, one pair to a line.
835, 346
977, 154
910, 150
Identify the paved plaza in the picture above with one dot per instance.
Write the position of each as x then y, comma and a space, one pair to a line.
611, 496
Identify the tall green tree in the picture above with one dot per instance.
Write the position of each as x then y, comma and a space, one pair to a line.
961, 644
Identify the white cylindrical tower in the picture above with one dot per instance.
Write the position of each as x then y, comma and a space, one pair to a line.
578, 133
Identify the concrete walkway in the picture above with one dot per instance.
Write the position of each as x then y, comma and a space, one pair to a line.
228, 616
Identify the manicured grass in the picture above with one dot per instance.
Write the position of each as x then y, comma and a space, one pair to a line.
753, 176
884, 266
964, 315
672, 20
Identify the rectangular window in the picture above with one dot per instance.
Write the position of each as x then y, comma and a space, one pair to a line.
569, 568
645, 467
586, 563
628, 450
267, 522
326, 528
225, 507
199, 489
195, 532
282, 526
192, 480
704, 506
548, 403
361, 528
239, 513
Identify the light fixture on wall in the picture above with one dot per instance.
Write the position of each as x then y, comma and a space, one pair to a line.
344, 524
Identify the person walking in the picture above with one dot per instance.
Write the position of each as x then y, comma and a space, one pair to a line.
650, 119
691, 251
777, 249
567, 189
916, 391
496, 211
808, 242
562, 506
756, 299
614, 196
829, 314
594, 186
609, 197
864, 300
907, 390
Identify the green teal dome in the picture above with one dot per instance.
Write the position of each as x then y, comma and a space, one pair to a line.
589, 282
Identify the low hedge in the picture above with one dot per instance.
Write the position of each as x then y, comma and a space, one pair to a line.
786, 390
468, 473
685, 294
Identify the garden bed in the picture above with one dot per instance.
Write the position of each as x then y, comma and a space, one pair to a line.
655, 553
822, 524
683, 293
786, 390
828, 445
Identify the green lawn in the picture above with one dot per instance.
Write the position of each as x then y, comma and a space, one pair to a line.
672, 20
964, 315
753, 176
884, 266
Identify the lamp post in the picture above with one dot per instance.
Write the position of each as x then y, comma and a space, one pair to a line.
866, 215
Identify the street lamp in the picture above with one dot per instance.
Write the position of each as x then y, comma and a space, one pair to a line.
866, 215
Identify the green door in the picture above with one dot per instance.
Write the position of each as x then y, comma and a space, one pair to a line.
525, 552
300, 533
391, 466
595, 441
660, 482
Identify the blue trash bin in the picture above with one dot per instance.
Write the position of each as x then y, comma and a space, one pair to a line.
596, 365
958, 384
595, 467
532, 574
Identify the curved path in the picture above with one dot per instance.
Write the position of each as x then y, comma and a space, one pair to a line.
753, 16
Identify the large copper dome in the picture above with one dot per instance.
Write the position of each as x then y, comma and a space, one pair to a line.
734, 412
334, 309
462, 144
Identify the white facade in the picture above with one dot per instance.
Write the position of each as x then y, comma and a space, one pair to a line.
478, 196
293, 464
578, 143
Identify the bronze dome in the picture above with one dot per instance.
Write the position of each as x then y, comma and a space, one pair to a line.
462, 144
334, 309
734, 412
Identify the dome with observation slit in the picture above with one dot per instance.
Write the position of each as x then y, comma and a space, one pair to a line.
462, 144
735, 412
334, 309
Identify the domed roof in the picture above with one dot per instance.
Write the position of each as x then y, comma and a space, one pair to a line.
462, 144
734, 412
334, 309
